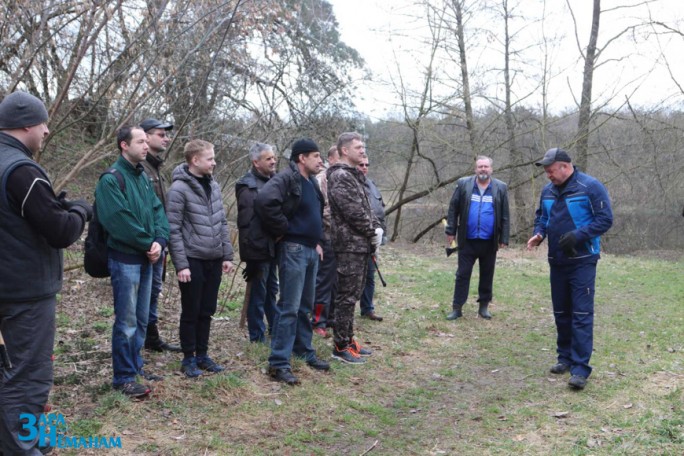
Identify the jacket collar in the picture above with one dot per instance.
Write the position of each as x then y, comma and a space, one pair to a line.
10, 140
258, 175
133, 169
153, 160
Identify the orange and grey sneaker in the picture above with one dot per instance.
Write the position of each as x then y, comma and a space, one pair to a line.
347, 355
356, 346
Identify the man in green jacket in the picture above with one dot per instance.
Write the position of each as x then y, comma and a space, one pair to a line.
138, 232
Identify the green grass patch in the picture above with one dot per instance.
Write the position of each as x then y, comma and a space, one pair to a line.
469, 387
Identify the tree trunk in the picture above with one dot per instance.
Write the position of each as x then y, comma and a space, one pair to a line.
582, 138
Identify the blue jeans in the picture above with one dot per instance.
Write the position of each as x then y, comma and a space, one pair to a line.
157, 272
292, 331
368, 290
572, 293
262, 301
131, 285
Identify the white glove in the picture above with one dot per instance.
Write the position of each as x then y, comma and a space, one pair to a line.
377, 238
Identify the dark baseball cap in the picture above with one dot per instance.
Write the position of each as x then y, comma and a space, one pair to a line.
149, 124
554, 155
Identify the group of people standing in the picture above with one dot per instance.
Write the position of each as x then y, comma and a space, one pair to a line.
574, 211
306, 234
309, 235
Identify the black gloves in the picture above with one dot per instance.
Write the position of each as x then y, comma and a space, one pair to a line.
251, 270
567, 243
80, 205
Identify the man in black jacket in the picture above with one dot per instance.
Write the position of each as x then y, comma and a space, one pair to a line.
36, 226
290, 206
158, 139
255, 249
478, 212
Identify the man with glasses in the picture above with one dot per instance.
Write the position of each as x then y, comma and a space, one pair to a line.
378, 208
158, 139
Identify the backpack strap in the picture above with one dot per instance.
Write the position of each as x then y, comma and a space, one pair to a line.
119, 178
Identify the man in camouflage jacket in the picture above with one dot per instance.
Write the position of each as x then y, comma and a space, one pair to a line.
355, 234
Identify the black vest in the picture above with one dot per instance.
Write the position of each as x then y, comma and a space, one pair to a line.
30, 269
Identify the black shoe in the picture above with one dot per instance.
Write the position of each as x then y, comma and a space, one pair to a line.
577, 382
133, 389
150, 377
559, 368
318, 364
209, 365
154, 342
190, 369
372, 316
455, 314
173, 348
283, 375
483, 311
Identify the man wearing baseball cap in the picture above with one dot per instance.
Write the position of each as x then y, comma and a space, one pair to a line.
574, 211
36, 226
158, 139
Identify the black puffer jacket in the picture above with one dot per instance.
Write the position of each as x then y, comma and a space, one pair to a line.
254, 241
198, 225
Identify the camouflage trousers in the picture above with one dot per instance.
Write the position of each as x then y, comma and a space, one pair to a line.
351, 277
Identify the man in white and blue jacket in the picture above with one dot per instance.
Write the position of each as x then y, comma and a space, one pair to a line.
574, 211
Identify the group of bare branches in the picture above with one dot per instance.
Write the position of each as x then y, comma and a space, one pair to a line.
463, 105
229, 71
236, 71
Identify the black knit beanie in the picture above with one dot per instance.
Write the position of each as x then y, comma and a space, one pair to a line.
303, 146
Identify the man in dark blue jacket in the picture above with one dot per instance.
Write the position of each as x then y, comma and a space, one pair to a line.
290, 206
574, 211
479, 220
35, 225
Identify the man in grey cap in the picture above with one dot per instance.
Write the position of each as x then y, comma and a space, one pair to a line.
574, 211
158, 139
36, 226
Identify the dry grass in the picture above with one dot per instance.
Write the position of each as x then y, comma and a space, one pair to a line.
432, 387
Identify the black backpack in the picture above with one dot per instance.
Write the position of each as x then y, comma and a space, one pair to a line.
95, 248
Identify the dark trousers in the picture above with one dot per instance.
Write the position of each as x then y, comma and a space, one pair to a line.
198, 304
485, 252
369, 290
351, 275
262, 300
29, 332
572, 293
326, 285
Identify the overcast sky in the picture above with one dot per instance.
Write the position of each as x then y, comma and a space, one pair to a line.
388, 35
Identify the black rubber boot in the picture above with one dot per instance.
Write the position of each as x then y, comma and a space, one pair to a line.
455, 314
154, 342
483, 311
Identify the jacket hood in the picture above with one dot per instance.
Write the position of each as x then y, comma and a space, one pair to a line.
182, 172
